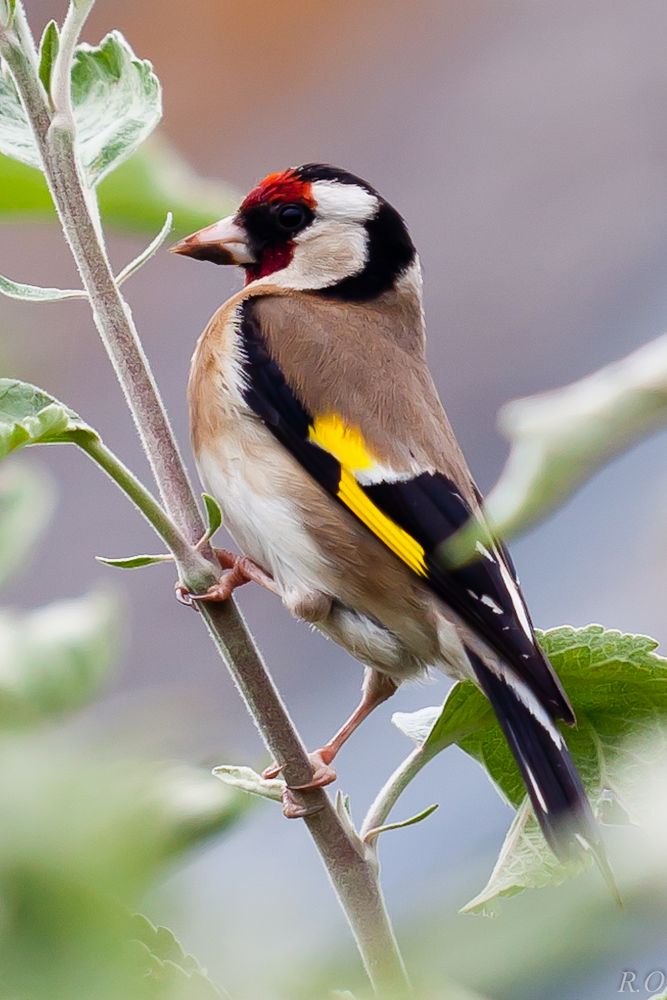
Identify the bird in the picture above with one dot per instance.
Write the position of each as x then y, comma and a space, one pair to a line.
317, 427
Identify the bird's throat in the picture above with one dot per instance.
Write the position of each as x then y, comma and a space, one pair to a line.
270, 260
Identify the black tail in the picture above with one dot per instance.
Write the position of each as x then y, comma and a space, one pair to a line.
553, 784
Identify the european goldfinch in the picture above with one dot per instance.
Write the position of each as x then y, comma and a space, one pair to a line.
317, 427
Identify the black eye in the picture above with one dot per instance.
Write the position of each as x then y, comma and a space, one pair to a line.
291, 217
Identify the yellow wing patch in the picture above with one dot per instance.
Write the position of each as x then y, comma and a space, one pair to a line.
394, 537
348, 447
345, 443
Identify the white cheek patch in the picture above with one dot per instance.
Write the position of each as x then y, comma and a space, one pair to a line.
344, 201
327, 252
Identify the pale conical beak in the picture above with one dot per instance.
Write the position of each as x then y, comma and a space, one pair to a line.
225, 242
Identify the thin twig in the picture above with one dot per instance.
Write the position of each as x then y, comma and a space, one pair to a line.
399, 780
350, 870
388, 796
142, 498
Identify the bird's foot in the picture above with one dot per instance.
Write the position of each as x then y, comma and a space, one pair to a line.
295, 808
323, 774
238, 570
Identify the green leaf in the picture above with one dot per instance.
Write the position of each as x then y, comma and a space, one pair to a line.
54, 659
400, 824
561, 438
464, 710
82, 838
249, 781
165, 964
524, 862
146, 254
135, 562
116, 102
26, 503
30, 416
213, 515
618, 687
33, 293
48, 50
135, 197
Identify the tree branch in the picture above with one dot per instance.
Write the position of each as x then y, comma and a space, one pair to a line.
352, 873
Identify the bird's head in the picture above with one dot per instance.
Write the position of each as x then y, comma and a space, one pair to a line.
314, 227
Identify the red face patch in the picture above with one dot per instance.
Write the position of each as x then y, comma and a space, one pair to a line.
272, 259
281, 187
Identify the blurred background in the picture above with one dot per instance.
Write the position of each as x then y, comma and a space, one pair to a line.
525, 145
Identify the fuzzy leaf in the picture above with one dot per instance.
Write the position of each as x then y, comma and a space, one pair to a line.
26, 502
465, 709
116, 102
87, 827
48, 50
16, 138
618, 687
33, 293
135, 562
135, 197
560, 439
524, 862
30, 416
249, 781
213, 515
53, 660
164, 963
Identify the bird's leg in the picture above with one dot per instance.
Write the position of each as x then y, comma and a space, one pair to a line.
237, 571
377, 688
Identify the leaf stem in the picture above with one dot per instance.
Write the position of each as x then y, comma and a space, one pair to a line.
395, 785
351, 871
188, 559
75, 19
406, 772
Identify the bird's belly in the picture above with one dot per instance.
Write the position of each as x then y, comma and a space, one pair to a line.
248, 479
